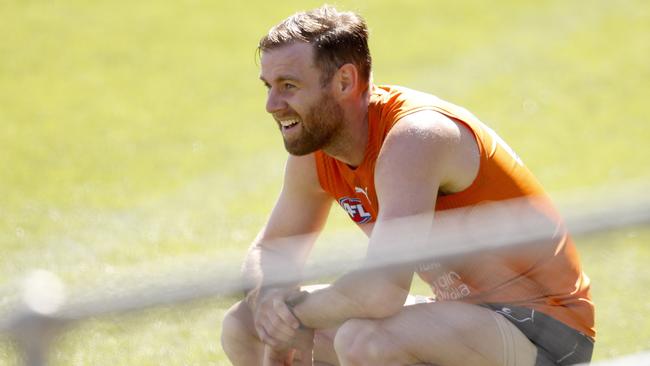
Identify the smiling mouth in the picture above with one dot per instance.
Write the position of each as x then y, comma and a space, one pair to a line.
289, 123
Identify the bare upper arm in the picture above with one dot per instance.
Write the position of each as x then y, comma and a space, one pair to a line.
302, 206
425, 152
290, 232
422, 153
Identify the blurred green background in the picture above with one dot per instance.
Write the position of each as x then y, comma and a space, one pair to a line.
134, 141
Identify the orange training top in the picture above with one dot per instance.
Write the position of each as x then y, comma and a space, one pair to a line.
545, 276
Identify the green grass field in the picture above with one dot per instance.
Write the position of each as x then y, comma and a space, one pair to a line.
134, 141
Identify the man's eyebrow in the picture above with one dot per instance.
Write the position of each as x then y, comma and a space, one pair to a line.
280, 79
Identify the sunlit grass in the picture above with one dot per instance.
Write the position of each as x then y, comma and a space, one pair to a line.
134, 140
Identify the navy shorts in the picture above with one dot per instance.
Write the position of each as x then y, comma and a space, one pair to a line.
557, 343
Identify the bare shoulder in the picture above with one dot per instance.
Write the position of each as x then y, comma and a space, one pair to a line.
437, 142
426, 126
300, 173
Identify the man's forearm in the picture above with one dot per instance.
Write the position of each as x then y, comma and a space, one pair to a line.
355, 295
376, 293
252, 275
265, 270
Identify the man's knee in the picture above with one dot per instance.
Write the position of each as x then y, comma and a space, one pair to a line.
361, 342
237, 328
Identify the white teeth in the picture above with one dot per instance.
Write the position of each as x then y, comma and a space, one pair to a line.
288, 123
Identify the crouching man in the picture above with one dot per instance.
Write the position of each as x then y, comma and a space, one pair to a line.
385, 153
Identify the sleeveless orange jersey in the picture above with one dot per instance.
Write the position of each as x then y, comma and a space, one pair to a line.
545, 276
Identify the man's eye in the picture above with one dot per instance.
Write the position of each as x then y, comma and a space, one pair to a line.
288, 86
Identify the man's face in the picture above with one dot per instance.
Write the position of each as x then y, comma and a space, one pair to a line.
307, 114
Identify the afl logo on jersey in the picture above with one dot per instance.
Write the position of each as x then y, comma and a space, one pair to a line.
355, 209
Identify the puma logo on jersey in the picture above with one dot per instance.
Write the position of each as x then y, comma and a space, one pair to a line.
355, 209
363, 191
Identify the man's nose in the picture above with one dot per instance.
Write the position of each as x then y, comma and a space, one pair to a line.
274, 103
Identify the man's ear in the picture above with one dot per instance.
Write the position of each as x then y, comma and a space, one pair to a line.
346, 80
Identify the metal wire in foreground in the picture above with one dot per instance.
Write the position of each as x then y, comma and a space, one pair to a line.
44, 315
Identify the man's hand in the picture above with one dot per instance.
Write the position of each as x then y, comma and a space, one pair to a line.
275, 324
300, 355
276, 357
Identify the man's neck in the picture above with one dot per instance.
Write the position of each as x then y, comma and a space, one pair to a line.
350, 146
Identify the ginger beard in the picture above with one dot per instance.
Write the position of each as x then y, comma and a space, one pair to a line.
320, 126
